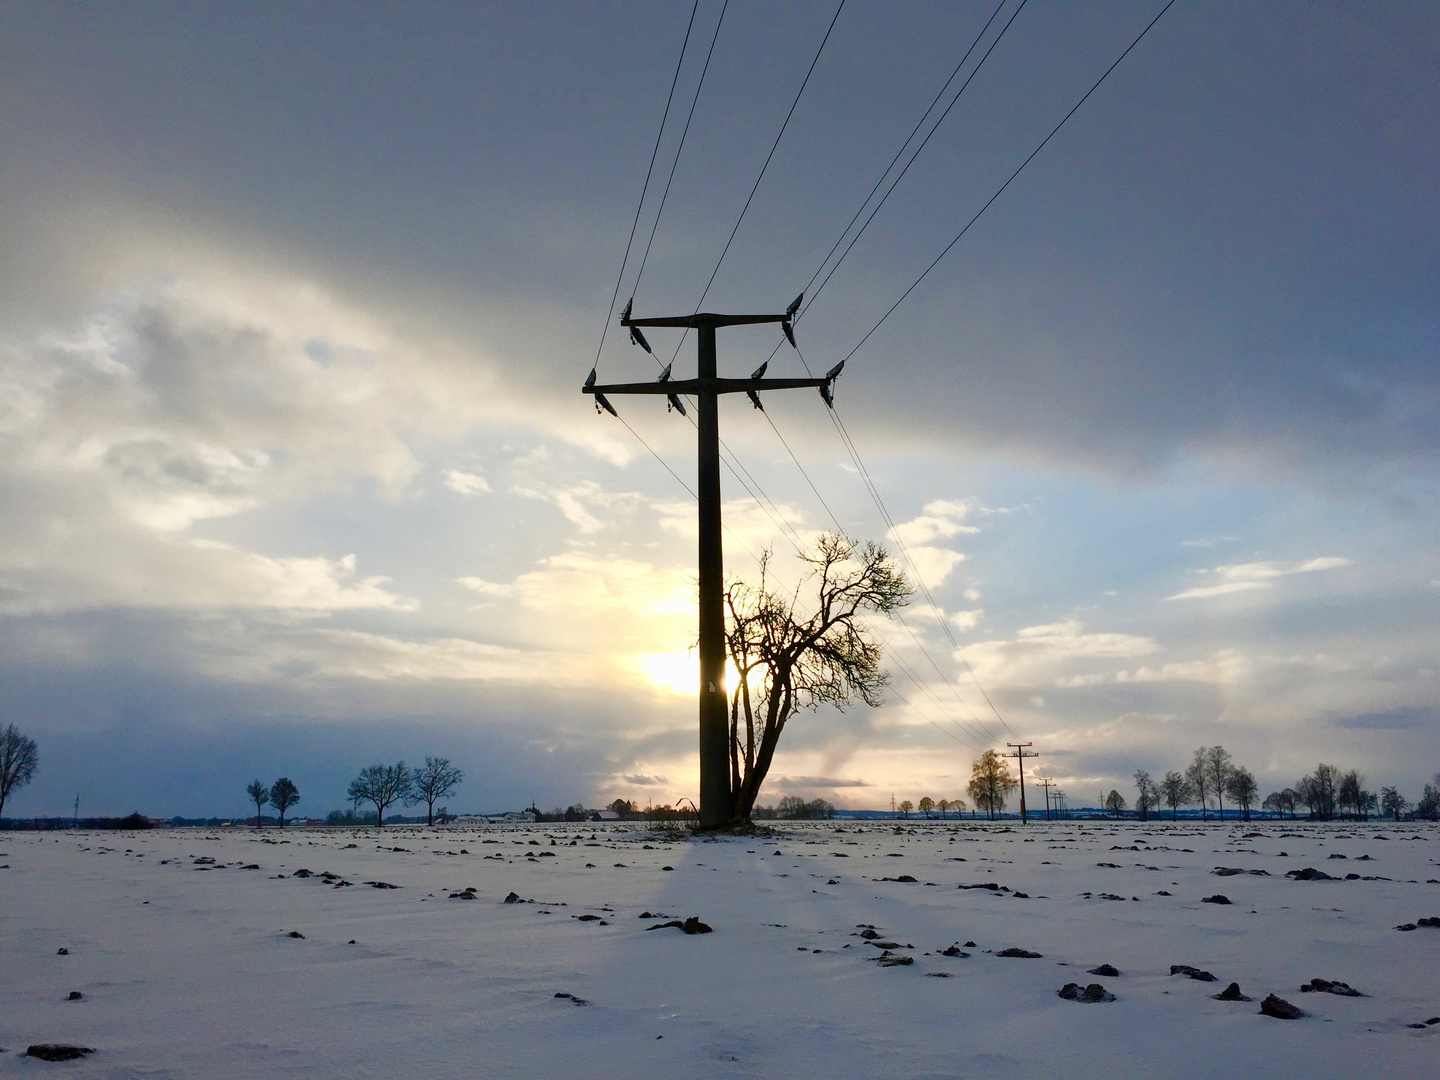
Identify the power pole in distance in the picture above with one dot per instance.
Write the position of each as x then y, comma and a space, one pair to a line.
717, 801
1047, 784
1020, 755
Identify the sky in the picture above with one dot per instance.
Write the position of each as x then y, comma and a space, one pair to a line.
296, 302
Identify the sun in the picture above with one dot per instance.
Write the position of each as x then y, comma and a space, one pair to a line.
677, 673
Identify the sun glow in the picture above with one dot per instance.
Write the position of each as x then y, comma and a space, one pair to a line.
677, 673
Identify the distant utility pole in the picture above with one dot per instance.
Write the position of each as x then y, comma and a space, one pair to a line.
717, 801
1020, 755
1047, 784
1060, 804
77, 810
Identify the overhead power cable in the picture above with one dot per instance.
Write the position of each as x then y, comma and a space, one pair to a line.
614, 296
665, 195
864, 473
763, 168
1009, 180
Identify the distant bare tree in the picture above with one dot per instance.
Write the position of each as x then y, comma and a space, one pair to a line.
1199, 777
1392, 802
787, 659
943, 805
1242, 789
283, 795
1217, 770
383, 785
1176, 790
260, 795
433, 782
1115, 802
1319, 791
990, 781
1147, 795
905, 807
1429, 805
926, 805
19, 758
791, 806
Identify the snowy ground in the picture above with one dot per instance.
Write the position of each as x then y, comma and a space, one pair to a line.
187, 967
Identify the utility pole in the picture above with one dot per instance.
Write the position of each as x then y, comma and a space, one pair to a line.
1047, 784
717, 800
1020, 755
77, 810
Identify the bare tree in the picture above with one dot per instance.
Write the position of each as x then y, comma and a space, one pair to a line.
1147, 795
283, 795
990, 780
1199, 778
259, 795
437, 779
1115, 802
787, 660
905, 807
1176, 789
1218, 768
926, 805
383, 785
1392, 802
1429, 805
1242, 789
942, 806
19, 758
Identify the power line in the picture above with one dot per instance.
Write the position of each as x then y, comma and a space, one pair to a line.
614, 296
1001, 189
684, 132
898, 153
936, 127
834, 413
773, 147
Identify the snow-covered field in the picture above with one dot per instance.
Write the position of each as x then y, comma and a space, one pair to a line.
188, 967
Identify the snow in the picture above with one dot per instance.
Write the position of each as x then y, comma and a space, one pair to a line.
190, 972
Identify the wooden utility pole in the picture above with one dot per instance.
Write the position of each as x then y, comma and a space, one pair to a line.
716, 798
1047, 784
1020, 755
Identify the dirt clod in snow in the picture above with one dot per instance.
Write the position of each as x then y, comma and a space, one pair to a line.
1090, 995
1107, 970
1232, 993
1325, 986
1218, 898
1019, 954
1193, 972
57, 1051
1280, 1009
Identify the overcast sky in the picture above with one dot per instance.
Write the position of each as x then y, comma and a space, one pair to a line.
296, 302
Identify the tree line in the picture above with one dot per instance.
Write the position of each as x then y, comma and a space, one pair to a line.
381, 785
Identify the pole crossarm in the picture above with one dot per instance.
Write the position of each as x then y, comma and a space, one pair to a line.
714, 386
703, 318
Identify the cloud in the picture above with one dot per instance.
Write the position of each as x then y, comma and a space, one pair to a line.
641, 780
939, 520
1247, 577
817, 782
1406, 719
1209, 542
465, 483
487, 588
1039, 653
